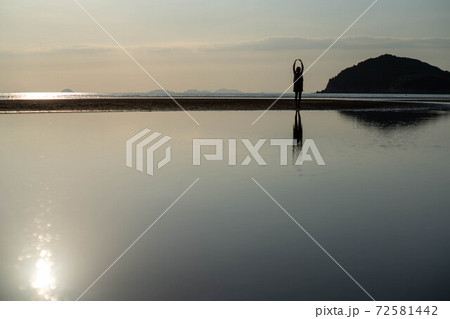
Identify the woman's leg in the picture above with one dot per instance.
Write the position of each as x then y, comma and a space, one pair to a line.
298, 97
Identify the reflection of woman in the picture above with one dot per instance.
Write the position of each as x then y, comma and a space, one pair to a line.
297, 136
298, 129
298, 82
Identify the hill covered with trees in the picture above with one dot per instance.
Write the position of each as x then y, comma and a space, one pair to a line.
391, 74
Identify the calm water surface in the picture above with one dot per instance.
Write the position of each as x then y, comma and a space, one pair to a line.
69, 207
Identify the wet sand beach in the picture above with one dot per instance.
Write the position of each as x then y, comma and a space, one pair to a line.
203, 104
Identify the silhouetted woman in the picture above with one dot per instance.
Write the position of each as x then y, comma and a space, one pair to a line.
298, 82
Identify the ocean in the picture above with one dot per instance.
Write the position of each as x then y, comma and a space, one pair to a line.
379, 206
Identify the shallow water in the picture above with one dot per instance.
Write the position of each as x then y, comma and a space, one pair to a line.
380, 207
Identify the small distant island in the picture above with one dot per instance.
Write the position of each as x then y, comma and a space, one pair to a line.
67, 91
391, 74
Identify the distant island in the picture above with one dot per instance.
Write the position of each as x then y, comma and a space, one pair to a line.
67, 91
391, 74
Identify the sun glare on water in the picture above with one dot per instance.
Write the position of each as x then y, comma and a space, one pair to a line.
43, 280
42, 95
38, 256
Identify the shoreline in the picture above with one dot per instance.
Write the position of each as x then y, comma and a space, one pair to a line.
208, 104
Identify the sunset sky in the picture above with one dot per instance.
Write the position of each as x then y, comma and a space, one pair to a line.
50, 45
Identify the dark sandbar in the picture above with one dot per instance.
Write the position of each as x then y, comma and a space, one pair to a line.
203, 104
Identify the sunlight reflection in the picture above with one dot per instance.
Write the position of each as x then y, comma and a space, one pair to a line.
37, 259
43, 95
44, 280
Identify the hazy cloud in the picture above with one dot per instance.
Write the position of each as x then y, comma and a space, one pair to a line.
349, 43
266, 44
